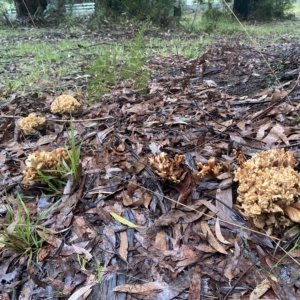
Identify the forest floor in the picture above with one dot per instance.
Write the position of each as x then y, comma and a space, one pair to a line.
153, 207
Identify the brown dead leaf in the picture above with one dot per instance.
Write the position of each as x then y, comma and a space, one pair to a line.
102, 134
293, 213
146, 289
140, 164
276, 133
55, 242
218, 212
161, 240
81, 291
262, 129
187, 257
276, 97
46, 139
210, 237
195, 284
65, 216
102, 213
260, 289
219, 234
123, 251
82, 229
109, 244
205, 248
87, 255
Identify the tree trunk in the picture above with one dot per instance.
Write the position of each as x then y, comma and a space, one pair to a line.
25, 8
244, 8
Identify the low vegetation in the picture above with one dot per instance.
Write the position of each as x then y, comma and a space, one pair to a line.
152, 163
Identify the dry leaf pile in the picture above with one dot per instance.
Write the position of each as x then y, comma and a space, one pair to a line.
157, 206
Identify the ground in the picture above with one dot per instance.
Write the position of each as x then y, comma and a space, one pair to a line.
151, 207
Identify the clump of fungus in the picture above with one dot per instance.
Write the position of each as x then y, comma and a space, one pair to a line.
210, 168
39, 162
31, 122
65, 104
167, 168
268, 187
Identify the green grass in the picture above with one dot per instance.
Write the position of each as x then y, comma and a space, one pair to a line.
127, 64
42, 64
22, 232
57, 178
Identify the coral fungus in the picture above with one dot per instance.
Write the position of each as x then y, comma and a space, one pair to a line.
268, 185
38, 162
165, 167
31, 123
65, 104
210, 168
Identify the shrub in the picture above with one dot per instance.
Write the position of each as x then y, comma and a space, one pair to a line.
154, 10
269, 9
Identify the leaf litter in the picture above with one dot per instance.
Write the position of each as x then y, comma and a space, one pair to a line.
154, 214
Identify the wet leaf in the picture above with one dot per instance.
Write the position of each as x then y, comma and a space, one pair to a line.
145, 289
124, 221
211, 239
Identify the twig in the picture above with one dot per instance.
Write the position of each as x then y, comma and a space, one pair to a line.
238, 280
61, 121
274, 104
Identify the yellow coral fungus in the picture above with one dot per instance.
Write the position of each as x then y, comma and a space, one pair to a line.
210, 168
65, 104
31, 122
38, 162
166, 167
267, 185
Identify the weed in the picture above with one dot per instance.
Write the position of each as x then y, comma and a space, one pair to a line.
57, 178
113, 66
82, 262
99, 271
21, 233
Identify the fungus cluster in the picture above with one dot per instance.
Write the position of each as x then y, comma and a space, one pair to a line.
39, 162
210, 168
268, 188
31, 123
65, 104
165, 167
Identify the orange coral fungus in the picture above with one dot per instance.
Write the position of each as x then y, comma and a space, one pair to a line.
267, 185
165, 167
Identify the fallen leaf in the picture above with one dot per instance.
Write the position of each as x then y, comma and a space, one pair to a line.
87, 255
260, 289
161, 240
123, 251
210, 238
81, 291
145, 289
219, 234
195, 284
124, 221
293, 213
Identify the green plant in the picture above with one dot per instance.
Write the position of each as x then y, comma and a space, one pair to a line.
268, 9
21, 233
82, 262
99, 271
111, 68
154, 10
57, 178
